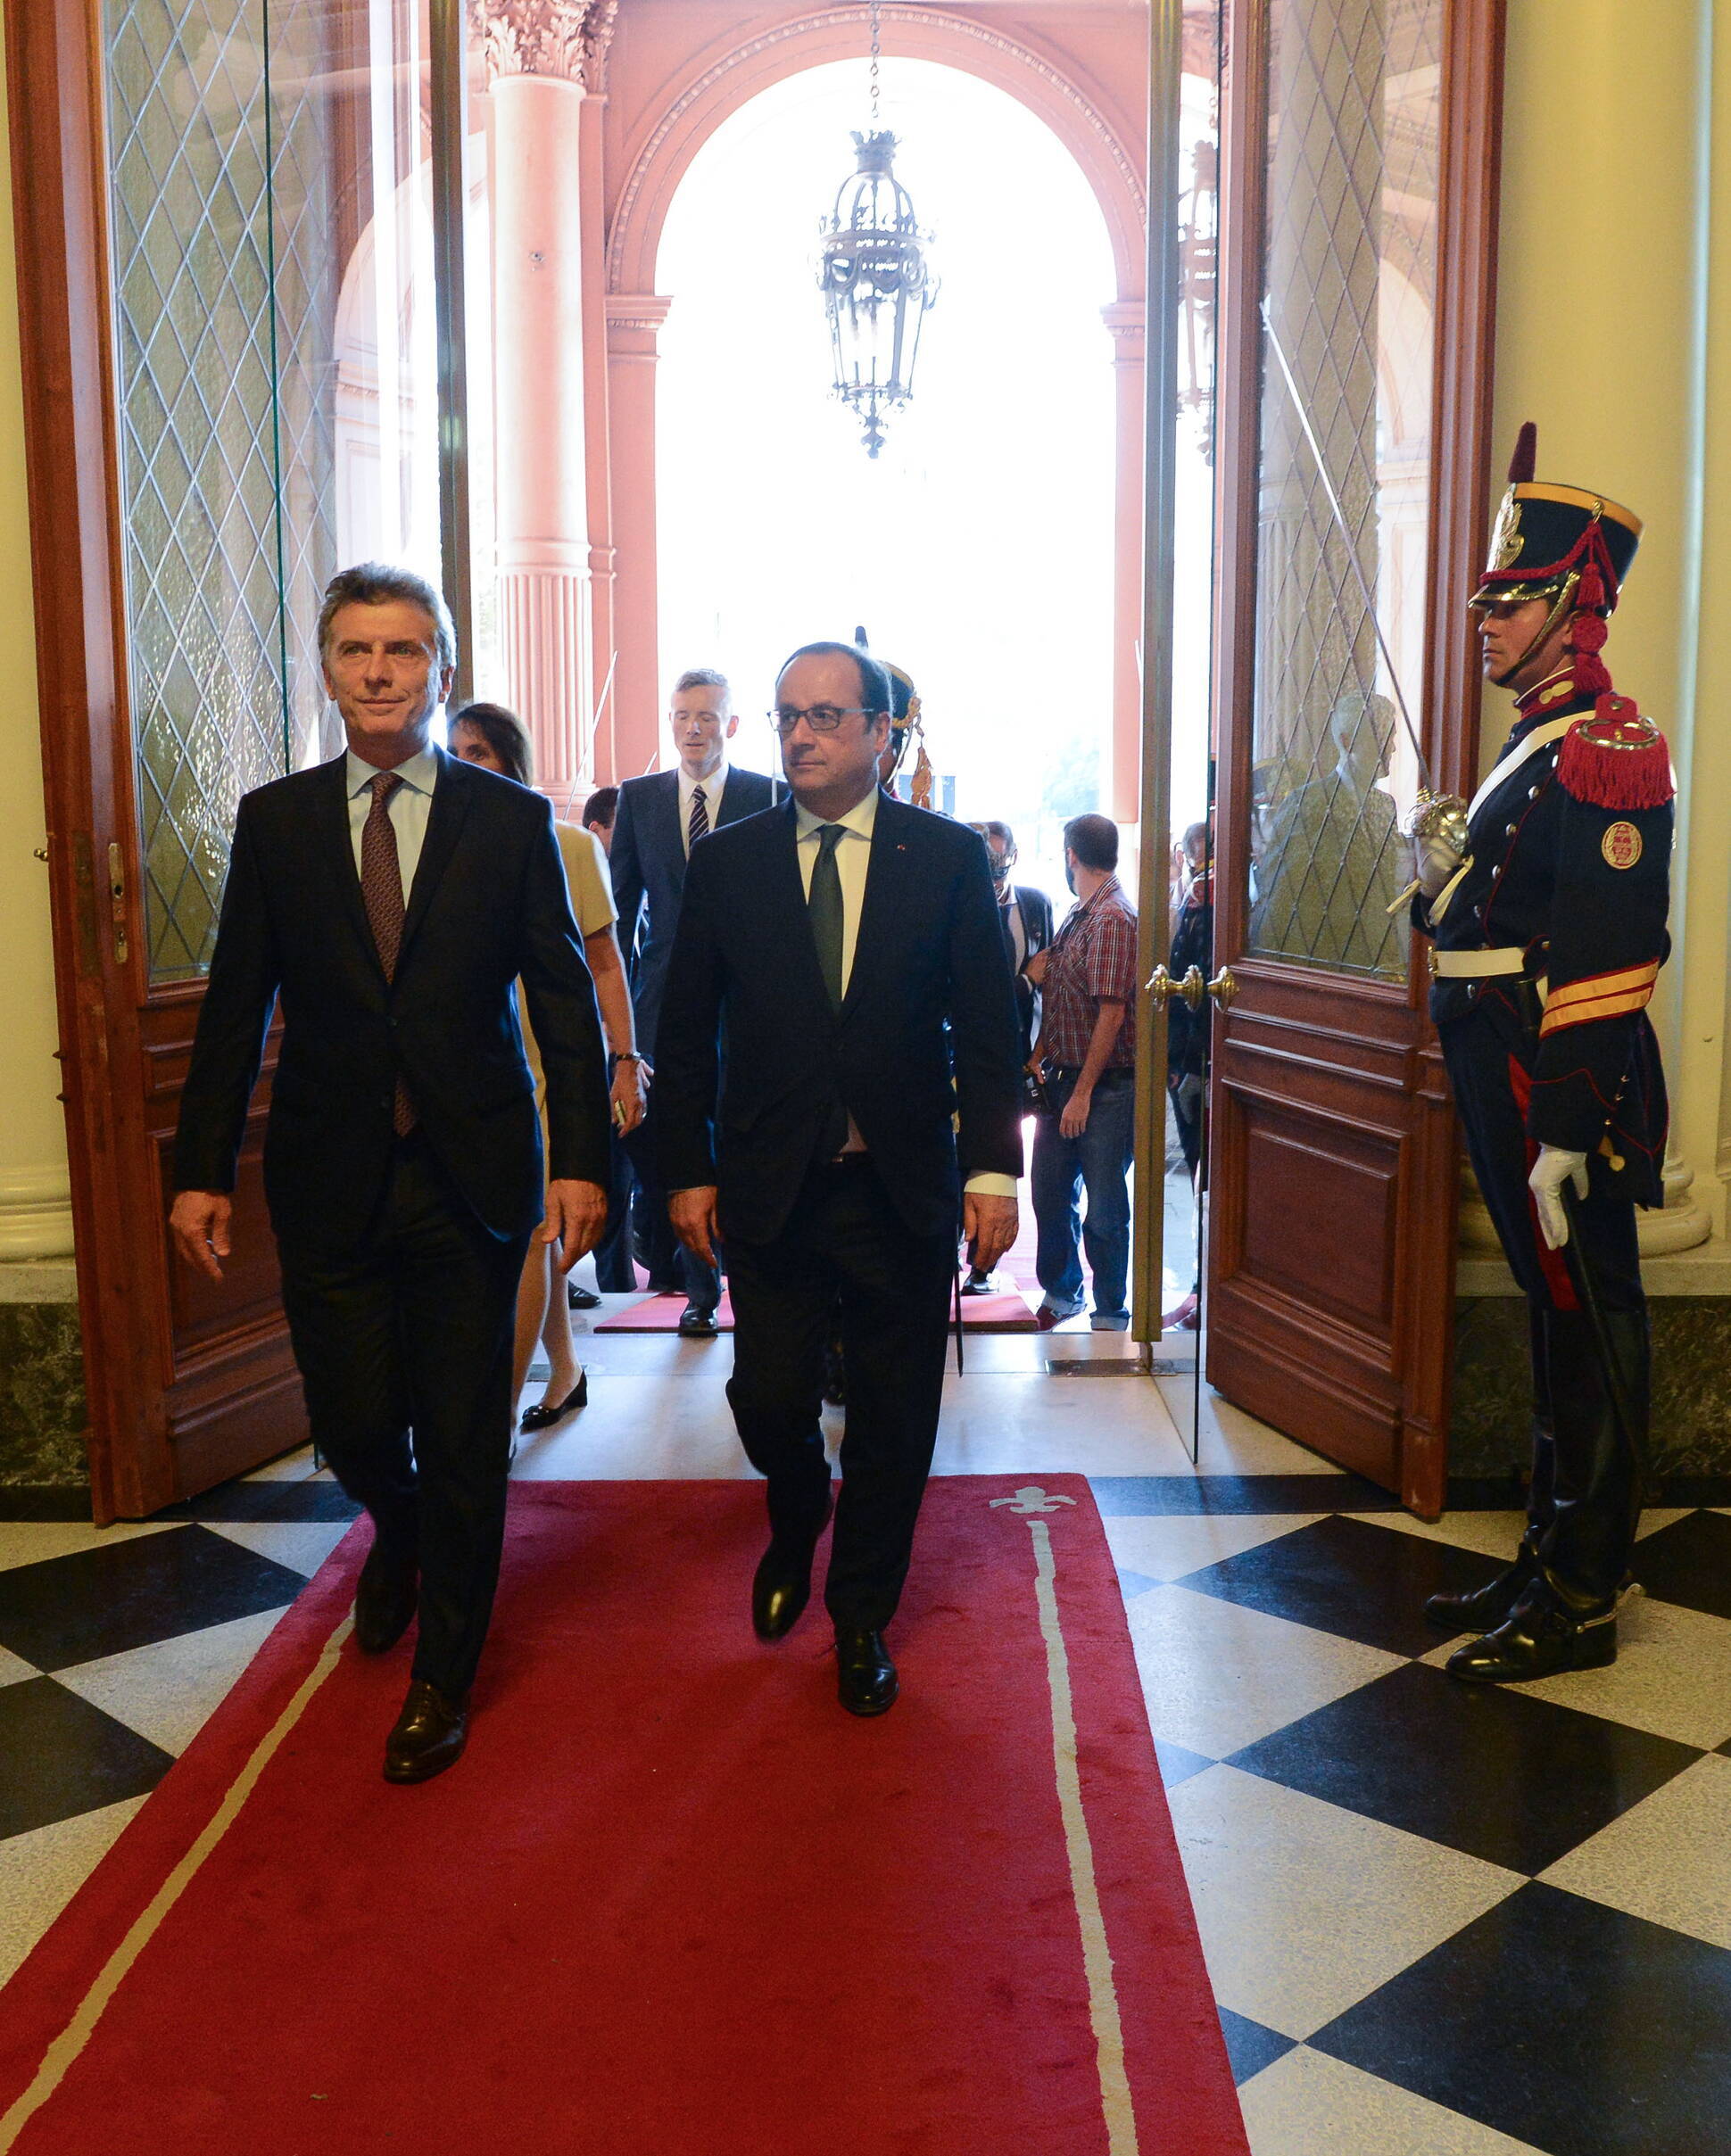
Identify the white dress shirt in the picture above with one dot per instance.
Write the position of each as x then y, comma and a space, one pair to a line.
853, 858
712, 787
408, 807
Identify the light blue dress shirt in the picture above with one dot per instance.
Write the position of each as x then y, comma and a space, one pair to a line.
408, 807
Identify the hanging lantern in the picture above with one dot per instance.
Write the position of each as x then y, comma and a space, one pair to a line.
876, 282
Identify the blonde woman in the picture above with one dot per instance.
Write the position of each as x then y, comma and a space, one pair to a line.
497, 739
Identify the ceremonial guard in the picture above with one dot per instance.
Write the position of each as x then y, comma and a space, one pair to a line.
1546, 899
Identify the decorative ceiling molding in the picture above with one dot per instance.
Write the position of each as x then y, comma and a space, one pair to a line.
564, 39
926, 20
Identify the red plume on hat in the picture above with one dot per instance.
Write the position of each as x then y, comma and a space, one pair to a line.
1524, 463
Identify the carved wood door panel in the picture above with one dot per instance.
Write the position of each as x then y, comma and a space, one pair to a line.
1358, 199
228, 387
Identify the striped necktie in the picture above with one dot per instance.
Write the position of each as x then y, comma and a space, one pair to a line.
696, 824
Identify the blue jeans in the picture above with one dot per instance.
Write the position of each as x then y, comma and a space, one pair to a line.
1098, 1161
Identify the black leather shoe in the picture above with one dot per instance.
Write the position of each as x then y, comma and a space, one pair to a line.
1487, 1607
384, 1598
865, 1678
1540, 1638
695, 1324
782, 1584
431, 1732
550, 1412
581, 1298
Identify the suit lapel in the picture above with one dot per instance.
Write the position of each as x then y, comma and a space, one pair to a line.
336, 842
671, 839
445, 824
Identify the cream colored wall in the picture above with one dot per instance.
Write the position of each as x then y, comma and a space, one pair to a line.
35, 1218
1613, 332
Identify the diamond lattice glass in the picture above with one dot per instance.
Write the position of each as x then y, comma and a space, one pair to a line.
1349, 290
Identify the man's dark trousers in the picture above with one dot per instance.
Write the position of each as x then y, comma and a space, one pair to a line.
844, 1242
411, 1330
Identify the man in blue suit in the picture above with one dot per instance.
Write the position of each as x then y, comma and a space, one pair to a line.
656, 823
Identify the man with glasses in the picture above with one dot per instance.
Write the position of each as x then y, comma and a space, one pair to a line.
657, 822
848, 945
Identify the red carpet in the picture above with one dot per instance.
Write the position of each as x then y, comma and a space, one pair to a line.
660, 1314
674, 1901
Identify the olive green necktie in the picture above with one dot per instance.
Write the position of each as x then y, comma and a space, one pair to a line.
824, 901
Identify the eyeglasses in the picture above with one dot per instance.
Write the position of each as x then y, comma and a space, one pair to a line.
822, 718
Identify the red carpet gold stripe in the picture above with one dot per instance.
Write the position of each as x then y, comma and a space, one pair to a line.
1096, 1953
62, 2053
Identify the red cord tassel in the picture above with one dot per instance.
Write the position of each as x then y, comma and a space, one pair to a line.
1616, 759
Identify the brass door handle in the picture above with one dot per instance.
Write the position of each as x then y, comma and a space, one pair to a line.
1223, 988
1162, 986
1192, 988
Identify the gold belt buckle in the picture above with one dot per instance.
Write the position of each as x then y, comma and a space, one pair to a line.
1430, 962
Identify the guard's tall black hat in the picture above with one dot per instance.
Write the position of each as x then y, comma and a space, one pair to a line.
903, 701
1550, 540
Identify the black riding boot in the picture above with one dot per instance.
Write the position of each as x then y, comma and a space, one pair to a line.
1487, 1607
1566, 1618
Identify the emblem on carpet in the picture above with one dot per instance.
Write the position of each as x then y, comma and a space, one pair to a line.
672, 1900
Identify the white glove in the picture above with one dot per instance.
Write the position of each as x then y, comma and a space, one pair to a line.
1553, 1168
1434, 862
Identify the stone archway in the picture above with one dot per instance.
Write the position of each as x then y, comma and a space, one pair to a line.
657, 143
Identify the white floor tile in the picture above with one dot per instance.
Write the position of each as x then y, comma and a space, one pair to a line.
41, 1870
1234, 1443
1307, 2104
1672, 1674
1669, 1859
167, 1692
1167, 1546
1661, 1515
1303, 1908
303, 1545
292, 1467
33, 1541
12, 1671
1492, 1534
1217, 1676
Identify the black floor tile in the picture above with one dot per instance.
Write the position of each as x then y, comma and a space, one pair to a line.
60, 1756
72, 1609
1124, 1496
1688, 1562
1249, 2045
305, 1500
1516, 1781
39, 1501
1345, 1576
1562, 2023
1134, 1583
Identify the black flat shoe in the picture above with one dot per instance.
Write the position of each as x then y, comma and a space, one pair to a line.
545, 1415
430, 1734
782, 1584
979, 1284
698, 1324
1539, 1638
581, 1298
865, 1678
385, 1598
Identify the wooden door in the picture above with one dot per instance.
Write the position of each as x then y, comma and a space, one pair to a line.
229, 388
1358, 207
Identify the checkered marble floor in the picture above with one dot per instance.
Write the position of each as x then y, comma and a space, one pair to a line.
1440, 1920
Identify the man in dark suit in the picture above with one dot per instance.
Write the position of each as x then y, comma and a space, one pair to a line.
848, 945
388, 900
655, 824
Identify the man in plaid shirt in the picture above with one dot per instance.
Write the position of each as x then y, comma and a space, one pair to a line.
1087, 1047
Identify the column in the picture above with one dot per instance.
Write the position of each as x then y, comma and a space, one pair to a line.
597, 410
633, 324
1126, 320
540, 54
1642, 410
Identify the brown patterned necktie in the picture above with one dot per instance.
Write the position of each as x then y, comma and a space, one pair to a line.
381, 887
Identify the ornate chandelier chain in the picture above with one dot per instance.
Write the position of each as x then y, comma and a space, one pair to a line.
876, 55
